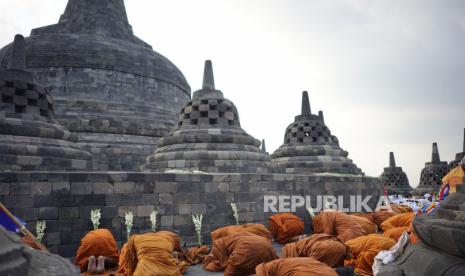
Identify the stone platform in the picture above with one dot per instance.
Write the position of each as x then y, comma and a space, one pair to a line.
64, 200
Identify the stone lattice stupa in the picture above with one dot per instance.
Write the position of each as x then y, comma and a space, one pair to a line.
209, 137
309, 147
30, 137
459, 156
110, 87
432, 174
394, 178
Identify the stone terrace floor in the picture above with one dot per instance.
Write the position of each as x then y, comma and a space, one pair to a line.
197, 270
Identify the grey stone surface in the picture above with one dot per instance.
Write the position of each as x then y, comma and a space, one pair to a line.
309, 147
459, 156
432, 174
30, 137
19, 259
209, 138
110, 88
394, 178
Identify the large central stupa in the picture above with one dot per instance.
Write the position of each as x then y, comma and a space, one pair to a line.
309, 147
109, 87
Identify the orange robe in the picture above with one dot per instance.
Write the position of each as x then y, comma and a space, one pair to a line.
254, 228
196, 255
286, 226
364, 250
27, 240
337, 224
151, 254
395, 233
399, 220
96, 243
239, 254
257, 229
322, 247
294, 267
380, 216
367, 225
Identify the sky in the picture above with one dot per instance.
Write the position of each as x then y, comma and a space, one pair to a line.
388, 75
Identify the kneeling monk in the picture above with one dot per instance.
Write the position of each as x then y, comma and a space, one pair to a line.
239, 254
98, 251
286, 227
295, 267
364, 250
151, 254
322, 247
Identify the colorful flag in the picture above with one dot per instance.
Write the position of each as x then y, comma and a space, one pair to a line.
8, 223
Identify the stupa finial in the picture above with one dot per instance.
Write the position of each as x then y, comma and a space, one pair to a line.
208, 80
305, 104
392, 161
320, 114
18, 54
263, 148
435, 154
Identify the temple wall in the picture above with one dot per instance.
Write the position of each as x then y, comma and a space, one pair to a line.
64, 200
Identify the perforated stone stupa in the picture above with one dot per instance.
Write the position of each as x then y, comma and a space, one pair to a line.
458, 156
209, 137
432, 174
309, 147
394, 178
110, 87
30, 137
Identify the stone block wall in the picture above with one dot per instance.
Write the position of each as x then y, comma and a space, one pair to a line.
64, 200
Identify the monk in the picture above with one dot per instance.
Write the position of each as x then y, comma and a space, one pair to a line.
196, 255
337, 224
364, 250
367, 225
322, 247
285, 227
254, 228
97, 252
399, 220
396, 233
294, 267
151, 254
239, 253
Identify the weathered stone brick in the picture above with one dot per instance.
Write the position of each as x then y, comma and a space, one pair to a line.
184, 209
166, 221
61, 187
165, 198
103, 188
144, 210
48, 213
68, 212
126, 187
21, 188
4, 188
165, 187
81, 188
122, 210
41, 188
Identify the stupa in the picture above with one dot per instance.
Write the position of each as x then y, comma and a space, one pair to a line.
30, 137
458, 156
432, 173
394, 178
209, 137
309, 147
110, 87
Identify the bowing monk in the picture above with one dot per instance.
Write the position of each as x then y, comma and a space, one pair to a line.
254, 228
337, 224
239, 254
151, 254
97, 252
364, 250
399, 220
322, 247
294, 267
285, 227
